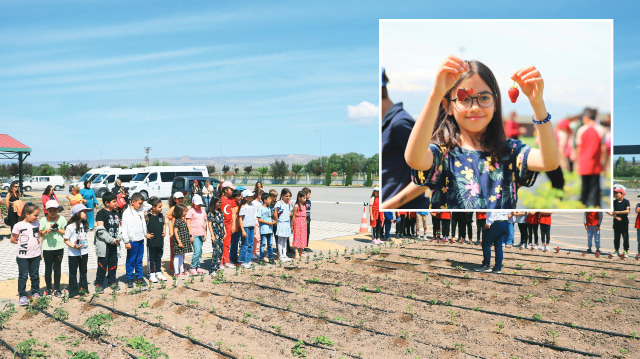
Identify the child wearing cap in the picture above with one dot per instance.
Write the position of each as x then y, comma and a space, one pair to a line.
621, 208
247, 220
25, 235
52, 231
75, 237
197, 223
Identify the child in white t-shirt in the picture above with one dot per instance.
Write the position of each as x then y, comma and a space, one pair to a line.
75, 237
25, 235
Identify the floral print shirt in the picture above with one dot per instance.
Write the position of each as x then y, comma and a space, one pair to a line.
466, 179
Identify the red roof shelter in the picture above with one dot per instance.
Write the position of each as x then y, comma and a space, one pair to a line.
12, 149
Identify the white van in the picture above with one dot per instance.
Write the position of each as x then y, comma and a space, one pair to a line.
156, 181
89, 176
41, 182
106, 180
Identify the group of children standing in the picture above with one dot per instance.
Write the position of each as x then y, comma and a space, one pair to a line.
246, 215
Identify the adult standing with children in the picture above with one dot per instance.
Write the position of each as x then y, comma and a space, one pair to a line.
207, 192
460, 129
13, 194
89, 195
47, 195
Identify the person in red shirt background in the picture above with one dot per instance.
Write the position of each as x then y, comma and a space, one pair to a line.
592, 222
445, 224
591, 153
533, 219
481, 220
512, 128
545, 230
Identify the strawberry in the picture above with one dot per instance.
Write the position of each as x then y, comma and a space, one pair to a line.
470, 91
462, 94
513, 94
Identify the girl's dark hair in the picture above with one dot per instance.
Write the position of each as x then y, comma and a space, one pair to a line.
47, 190
301, 194
86, 183
153, 201
178, 211
212, 204
28, 209
446, 130
235, 193
284, 192
255, 188
265, 196
375, 192
10, 191
78, 221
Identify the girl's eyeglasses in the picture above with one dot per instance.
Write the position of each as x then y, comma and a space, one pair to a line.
484, 100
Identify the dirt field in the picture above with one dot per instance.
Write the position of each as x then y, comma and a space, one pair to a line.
421, 300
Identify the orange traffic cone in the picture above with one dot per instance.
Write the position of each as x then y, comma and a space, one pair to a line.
364, 225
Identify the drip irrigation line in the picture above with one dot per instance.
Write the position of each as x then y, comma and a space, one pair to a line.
590, 292
13, 351
261, 286
263, 330
510, 274
78, 329
448, 304
555, 347
325, 319
161, 327
453, 276
539, 261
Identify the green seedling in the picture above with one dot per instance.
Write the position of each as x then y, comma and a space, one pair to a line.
98, 324
553, 337
298, 350
323, 340
500, 325
144, 304
553, 298
452, 316
526, 296
60, 314
537, 317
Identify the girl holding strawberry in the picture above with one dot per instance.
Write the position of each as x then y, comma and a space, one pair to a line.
469, 163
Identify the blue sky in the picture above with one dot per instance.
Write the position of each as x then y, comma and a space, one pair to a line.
80, 78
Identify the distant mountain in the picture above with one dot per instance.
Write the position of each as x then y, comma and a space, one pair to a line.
237, 161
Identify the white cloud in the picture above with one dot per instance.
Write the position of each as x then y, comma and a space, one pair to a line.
364, 113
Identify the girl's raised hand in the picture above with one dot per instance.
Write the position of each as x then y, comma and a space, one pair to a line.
530, 82
448, 73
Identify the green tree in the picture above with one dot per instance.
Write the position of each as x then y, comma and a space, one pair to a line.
248, 169
262, 170
211, 168
315, 166
138, 165
297, 168
369, 181
44, 170
327, 177
354, 162
349, 178
225, 169
64, 170
279, 169
373, 163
